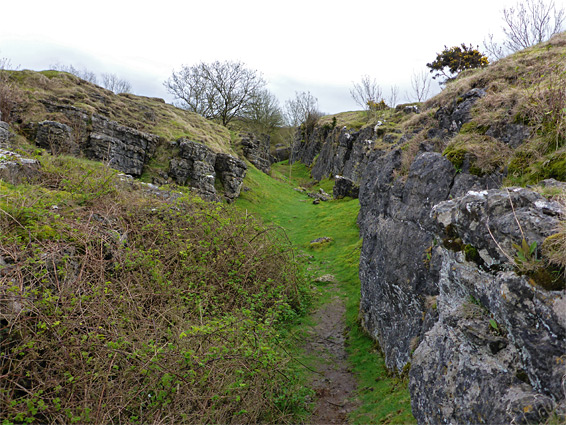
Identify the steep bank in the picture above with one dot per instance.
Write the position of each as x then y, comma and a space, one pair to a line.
462, 284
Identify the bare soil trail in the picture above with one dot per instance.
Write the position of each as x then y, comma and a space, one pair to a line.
334, 382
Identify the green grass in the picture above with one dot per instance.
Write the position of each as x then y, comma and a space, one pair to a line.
384, 399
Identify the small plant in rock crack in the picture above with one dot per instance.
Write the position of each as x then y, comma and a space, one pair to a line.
525, 256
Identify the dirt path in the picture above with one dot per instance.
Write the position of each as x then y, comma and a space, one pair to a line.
334, 383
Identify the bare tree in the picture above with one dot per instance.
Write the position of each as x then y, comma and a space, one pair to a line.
302, 109
393, 96
366, 92
217, 90
495, 51
420, 83
526, 24
263, 113
115, 84
530, 23
83, 73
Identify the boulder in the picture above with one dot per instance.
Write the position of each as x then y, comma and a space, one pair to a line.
231, 172
5, 134
343, 187
124, 148
195, 166
16, 169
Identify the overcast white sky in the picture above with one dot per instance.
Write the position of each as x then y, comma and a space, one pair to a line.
322, 46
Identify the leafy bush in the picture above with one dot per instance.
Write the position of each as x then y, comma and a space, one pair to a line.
455, 60
117, 306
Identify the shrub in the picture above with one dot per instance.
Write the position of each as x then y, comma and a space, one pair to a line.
451, 61
120, 307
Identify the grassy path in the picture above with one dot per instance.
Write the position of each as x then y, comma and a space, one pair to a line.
378, 397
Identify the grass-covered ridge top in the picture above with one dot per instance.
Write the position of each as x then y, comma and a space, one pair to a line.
151, 115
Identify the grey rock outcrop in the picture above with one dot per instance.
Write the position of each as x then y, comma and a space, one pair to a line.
198, 166
343, 187
497, 353
16, 169
345, 152
453, 116
396, 276
231, 171
256, 151
124, 148
282, 153
55, 137
5, 134
128, 150
194, 167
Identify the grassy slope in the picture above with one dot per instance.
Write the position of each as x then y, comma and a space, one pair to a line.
147, 114
384, 399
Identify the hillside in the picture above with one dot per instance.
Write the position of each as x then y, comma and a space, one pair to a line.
46, 95
138, 283
462, 268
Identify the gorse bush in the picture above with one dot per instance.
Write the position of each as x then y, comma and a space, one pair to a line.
117, 306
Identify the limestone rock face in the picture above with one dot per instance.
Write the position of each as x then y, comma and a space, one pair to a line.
56, 138
343, 187
231, 171
453, 116
344, 152
306, 149
257, 151
395, 273
194, 167
497, 353
282, 153
198, 166
128, 150
5, 134
125, 148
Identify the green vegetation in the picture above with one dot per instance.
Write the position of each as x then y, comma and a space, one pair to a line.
451, 61
118, 306
146, 114
485, 154
385, 399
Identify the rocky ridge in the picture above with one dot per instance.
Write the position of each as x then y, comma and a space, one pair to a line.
130, 150
448, 290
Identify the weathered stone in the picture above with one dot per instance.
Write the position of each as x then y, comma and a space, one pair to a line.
55, 137
124, 148
282, 153
397, 233
510, 133
343, 187
15, 169
231, 171
257, 151
497, 353
195, 167
344, 152
5, 134
453, 116
326, 278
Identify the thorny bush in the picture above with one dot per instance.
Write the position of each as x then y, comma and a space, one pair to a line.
119, 307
